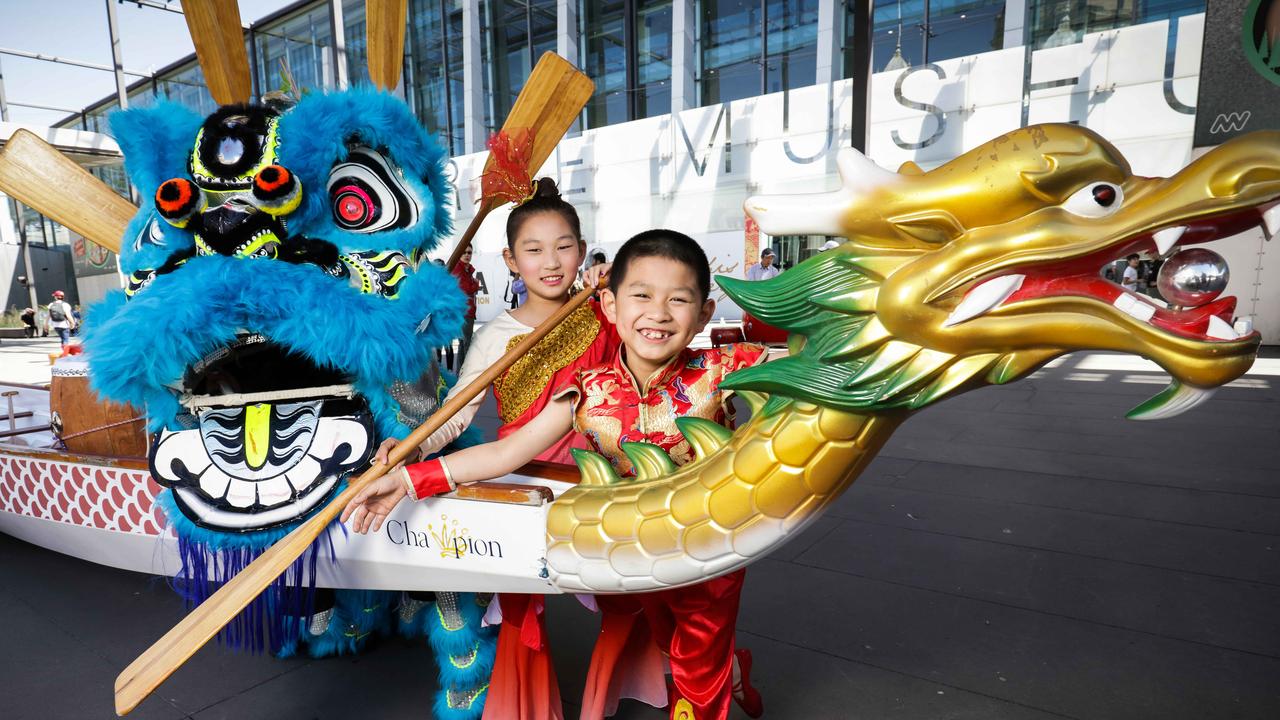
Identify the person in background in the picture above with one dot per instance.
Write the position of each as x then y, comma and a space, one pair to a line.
61, 317
29, 322
465, 272
1130, 279
765, 269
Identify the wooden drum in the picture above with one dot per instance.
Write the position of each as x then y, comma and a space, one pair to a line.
74, 409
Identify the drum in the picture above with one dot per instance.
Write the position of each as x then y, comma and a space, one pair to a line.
75, 409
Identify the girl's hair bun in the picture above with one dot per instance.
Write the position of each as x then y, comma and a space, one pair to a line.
545, 187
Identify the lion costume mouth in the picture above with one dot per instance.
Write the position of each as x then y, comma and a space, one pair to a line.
268, 436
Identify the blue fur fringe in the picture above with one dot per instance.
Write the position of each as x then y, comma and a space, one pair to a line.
448, 644
358, 616
199, 308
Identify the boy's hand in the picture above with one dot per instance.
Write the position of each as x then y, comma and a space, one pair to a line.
370, 507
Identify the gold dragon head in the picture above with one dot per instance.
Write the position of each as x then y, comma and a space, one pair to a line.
984, 268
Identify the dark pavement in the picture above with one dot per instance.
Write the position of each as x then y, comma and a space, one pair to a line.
1019, 552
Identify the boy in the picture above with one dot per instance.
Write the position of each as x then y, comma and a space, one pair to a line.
658, 300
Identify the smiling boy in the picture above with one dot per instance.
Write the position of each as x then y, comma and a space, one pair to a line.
658, 298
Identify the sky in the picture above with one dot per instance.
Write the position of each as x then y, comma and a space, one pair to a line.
77, 29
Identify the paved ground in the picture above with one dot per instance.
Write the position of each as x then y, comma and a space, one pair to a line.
1021, 552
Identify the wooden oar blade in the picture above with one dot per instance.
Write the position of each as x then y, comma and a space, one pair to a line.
215, 31
39, 176
552, 98
384, 34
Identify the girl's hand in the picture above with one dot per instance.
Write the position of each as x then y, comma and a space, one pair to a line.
371, 506
591, 276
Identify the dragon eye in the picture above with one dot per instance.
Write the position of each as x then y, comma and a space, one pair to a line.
1095, 200
353, 206
367, 194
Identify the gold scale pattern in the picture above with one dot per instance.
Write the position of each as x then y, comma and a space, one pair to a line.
712, 516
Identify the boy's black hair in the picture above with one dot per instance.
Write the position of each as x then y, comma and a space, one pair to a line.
666, 244
546, 198
1134, 256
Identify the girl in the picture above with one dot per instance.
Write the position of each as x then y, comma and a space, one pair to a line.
545, 249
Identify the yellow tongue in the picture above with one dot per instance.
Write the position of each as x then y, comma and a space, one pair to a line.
257, 434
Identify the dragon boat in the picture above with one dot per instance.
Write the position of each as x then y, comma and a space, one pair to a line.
974, 273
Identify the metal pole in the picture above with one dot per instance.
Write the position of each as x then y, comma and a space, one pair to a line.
67, 61
631, 47
113, 29
19, 217
861, 73
337, 28
764, 47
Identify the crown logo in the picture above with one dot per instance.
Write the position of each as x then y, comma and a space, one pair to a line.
452, 539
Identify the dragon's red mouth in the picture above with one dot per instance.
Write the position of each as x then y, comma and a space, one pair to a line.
1080, 277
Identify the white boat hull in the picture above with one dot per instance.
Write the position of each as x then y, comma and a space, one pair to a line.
105, 512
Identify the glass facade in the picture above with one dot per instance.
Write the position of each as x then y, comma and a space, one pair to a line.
626, 49
749, 47
434, 72
302, 43
907, 33
517, 32
1052, 23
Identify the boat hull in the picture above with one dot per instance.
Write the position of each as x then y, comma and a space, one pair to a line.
104, 510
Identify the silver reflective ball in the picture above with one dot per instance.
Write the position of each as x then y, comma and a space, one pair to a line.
1193, 277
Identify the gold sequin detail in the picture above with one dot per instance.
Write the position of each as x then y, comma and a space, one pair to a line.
525, 381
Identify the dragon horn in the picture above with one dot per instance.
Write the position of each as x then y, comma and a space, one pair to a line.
821, 213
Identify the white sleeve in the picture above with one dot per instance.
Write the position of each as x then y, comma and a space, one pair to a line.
480, 356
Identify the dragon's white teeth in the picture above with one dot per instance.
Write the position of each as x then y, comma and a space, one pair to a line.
1271, 221
1130, 305
213, 482
274, 491
1220, 329
984, 297
1167, 238
1170, 402
1244, 326
241, 493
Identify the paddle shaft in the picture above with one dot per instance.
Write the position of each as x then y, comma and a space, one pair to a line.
146, 673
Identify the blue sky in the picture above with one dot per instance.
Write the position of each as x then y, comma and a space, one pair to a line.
77, 29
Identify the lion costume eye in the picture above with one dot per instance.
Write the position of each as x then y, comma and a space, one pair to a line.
366, 194
1095, 200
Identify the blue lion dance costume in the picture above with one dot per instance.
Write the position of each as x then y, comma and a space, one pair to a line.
279, 320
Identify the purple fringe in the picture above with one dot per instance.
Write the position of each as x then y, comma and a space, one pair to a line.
272, 619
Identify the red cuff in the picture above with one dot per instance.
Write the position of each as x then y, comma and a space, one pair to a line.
427, 479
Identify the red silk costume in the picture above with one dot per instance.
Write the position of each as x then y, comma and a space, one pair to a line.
694, 625
523, 685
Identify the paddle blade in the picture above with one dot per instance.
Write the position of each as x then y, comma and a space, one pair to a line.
215, 30
35, 173
550, 101
384, 32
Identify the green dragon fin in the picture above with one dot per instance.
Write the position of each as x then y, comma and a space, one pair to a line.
594, 468
649, 460
705, 436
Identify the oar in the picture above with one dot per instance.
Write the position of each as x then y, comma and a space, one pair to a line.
384, 37
550, 101
219, 39
168, 653
34, 172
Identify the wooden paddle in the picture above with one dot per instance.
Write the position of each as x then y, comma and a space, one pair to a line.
550, 101
384, 38
219, 39
168, 653
39, 176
